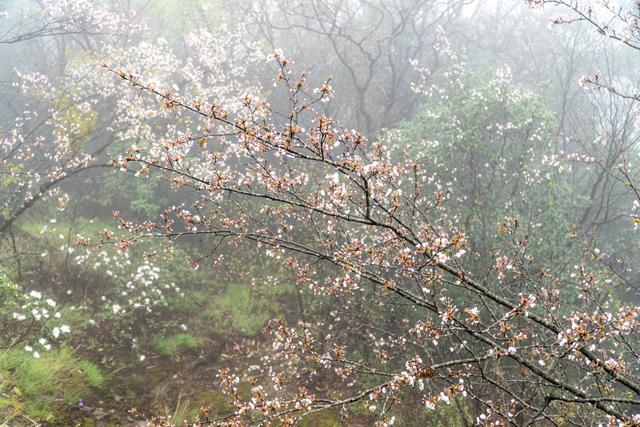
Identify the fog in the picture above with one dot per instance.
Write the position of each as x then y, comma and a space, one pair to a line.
319, 212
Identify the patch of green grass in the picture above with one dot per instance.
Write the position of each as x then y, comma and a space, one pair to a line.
92, 373
245, 308
321, 419
35, 387
168, 346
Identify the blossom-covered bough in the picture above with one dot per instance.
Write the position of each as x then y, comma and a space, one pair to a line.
368, 231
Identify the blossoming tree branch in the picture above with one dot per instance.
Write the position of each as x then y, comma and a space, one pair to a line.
361, 222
